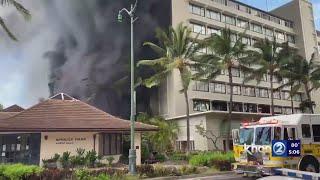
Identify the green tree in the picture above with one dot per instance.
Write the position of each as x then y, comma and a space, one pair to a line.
176, 50
225, 53
1, 107
303, 74
19, 7
269, 59
292, 64
162, 140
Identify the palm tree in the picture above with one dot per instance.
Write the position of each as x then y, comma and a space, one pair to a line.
176, 49
269, 58
224, 53
304, 74
23, 11
167, 133
291, 66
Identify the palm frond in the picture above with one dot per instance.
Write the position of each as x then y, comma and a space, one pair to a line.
7, 30
20, 8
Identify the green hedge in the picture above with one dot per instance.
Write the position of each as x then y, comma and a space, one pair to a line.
211, 159
18, 171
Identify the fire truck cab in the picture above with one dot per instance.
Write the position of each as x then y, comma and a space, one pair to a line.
253, 141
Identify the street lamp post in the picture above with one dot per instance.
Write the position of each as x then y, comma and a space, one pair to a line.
132, 151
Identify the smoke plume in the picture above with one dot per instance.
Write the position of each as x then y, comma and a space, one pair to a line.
84, 49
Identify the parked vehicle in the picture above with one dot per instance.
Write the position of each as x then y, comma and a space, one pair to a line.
253, 144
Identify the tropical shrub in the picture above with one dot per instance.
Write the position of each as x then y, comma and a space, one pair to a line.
91, 157
178, 157
52, 162
160, 157
103, 177
145, 169
186, 170
65, 160
160, 171
82, 174
55, 174
18, 171
217, 159
110, 159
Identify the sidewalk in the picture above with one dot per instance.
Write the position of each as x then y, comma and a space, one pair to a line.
190, 176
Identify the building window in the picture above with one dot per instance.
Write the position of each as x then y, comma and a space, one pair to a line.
316, 133
248, 91
286, 95
219, 106
236, 90
237, 107
228, 19
243, 24
244, 8
218, 87
291, 38
277, 109
112, 144
265, 16
233, 37
306, 132
201, 105
263, 92
297, 110
197, 28
253, 41
297, 97
245, 40
235, 72
213, 15
286, 110
276, 95
233, 4
201, 86
269, 32
194, 9
264, 109
211, 30
182, 146
256, 28
280, 35
250, 108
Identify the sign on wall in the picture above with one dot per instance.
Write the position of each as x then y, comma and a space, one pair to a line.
70, 140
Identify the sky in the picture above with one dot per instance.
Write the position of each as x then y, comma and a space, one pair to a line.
24, 70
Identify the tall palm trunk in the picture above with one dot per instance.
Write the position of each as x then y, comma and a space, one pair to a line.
186, 98
306, 87
291, 98
271, 92
230, 108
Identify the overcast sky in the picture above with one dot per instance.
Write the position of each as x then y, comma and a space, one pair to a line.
23, 70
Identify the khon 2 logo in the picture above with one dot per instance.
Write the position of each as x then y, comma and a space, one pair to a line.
279, 149
286, 148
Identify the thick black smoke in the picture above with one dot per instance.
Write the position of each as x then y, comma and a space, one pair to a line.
91, 56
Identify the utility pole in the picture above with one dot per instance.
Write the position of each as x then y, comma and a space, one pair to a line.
132, 151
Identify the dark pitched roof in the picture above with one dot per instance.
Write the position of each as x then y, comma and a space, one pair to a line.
67, 115
13, 108
5, 115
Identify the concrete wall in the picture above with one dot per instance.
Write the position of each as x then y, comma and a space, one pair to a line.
301, 13
137, 143
59, 142
200, 142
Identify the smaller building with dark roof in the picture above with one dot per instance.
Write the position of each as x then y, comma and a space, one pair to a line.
62, 124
